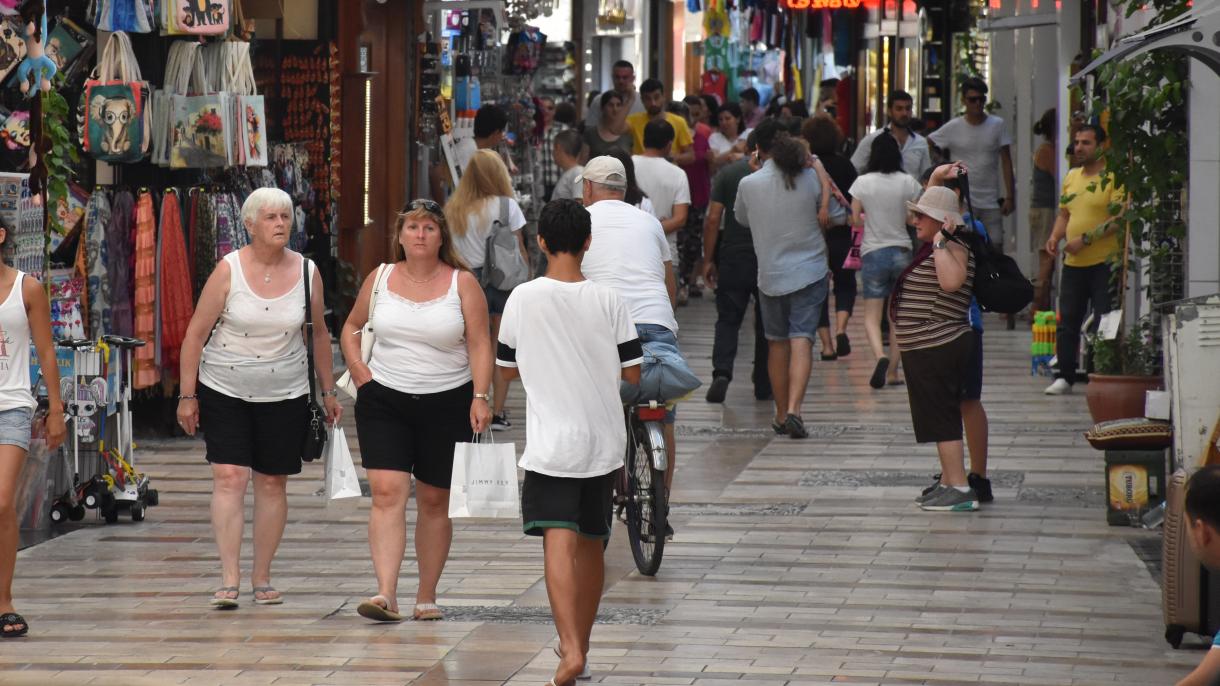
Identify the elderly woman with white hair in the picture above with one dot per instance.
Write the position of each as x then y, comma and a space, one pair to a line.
246, 385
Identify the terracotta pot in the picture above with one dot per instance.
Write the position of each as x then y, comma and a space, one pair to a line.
1119, 397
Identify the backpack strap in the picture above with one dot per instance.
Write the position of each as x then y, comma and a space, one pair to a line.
503, 220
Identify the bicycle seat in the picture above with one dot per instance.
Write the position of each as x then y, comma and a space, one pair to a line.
123, 341
75, 343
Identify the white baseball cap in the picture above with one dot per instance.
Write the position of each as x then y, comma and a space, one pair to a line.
605, 170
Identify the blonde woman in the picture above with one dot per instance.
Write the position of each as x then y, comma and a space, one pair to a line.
423, 390
483, 197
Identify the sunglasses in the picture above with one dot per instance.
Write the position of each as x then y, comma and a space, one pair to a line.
977, 98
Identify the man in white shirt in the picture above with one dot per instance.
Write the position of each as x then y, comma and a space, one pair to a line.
916, 159
662, 181
630, 254
981, 141
622, 75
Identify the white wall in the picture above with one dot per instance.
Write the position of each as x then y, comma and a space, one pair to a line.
1203, 241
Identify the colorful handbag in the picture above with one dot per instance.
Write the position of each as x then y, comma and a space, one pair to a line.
114, 117
195, 17
853, 260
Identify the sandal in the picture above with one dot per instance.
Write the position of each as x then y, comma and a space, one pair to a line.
377, 611
12, 619
225, 603
427, 612
266, 591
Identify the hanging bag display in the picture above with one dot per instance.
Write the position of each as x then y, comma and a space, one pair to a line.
504, 268
484, 482
315, 432
232, 76
114, 116
199, 123
367, 336
131, 16
194, 17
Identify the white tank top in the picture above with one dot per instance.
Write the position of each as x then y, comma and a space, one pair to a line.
420, 347
256, 352
15, 350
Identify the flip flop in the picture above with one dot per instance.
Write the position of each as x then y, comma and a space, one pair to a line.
225, 603
11, 618
371, 609
585, 674
277, 600
427, 612
896, 382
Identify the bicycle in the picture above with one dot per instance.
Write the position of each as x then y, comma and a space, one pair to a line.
640, 496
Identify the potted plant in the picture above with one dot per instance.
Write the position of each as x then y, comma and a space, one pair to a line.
1125, 371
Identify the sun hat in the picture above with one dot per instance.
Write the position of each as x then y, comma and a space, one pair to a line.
939, 203
605, 170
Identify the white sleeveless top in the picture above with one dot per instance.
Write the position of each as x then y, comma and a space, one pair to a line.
15, 350
256, 352
420, 347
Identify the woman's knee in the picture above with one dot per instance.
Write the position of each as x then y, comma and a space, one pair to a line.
431, 500
270, 484
230, 479
389, 489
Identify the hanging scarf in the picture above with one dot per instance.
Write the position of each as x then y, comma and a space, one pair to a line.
203, 235
176, 298
97, 217
118, 245
146, 372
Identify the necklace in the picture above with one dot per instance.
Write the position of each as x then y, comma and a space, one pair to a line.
415, 280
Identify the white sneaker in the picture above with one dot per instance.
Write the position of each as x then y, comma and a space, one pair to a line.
1060, 387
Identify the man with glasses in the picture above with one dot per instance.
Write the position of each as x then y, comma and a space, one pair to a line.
916, 160
981, 141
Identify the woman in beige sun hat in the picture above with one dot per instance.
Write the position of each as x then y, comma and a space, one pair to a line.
930, 311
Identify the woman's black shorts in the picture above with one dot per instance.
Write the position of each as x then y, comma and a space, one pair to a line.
936, 385
412, 432
266, 437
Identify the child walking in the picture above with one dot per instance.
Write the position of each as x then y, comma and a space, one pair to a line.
570, 341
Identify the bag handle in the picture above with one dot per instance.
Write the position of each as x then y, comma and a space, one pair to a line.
383, 272
118, 61
308, 330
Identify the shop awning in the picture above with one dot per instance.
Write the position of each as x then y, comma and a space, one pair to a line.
1195, 34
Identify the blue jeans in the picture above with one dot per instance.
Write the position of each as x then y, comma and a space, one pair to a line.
880, 270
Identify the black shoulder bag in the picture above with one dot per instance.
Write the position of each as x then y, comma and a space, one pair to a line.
999, 285
315, 433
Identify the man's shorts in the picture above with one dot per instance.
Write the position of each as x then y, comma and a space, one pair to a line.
582, 505
880, 269
793, 315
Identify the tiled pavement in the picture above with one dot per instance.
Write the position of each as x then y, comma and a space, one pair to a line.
795, 563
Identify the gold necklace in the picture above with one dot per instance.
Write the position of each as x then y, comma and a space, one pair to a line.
415, 280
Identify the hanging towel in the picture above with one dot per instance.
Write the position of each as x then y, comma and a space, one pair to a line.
176, 298
146, 372
97, 217
118, 244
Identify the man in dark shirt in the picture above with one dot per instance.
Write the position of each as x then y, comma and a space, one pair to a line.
730, 266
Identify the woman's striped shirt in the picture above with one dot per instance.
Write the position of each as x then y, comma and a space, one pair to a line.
927, 316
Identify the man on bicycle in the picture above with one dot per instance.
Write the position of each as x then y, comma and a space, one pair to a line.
629, 253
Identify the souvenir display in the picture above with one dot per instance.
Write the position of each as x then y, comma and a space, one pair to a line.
36, 69
114, 116
67, 42
12, 44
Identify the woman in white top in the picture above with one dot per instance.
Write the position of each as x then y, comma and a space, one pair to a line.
247, 387
879, 202
483, 197
25, 315
423, 390
728, 142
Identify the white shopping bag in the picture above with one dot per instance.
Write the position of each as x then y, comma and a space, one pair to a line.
341, 479
484, 481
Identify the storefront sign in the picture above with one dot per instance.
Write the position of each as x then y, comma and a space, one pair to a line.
828, 4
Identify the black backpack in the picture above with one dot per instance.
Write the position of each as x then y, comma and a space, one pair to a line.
999, 285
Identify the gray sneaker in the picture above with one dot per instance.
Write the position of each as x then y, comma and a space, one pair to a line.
949, 499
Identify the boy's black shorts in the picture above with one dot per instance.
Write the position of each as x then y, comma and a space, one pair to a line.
582, 505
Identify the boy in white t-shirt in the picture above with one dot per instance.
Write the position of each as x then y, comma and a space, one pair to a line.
571, 341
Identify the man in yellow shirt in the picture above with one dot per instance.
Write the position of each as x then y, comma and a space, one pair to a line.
652, 94
1088, 213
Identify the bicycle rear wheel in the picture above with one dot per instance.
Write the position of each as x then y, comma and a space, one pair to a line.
646, 502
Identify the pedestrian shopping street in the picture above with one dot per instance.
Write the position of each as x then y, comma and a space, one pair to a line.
795, 562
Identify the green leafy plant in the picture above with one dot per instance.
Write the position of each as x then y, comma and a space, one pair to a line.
62, 154
1142, 101
1132, 353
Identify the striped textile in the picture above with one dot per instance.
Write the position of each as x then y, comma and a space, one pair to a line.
926, 315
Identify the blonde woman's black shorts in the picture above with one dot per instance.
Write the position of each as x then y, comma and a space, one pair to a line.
266, 437
413, 432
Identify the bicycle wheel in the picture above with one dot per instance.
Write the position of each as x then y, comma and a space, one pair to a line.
646, 501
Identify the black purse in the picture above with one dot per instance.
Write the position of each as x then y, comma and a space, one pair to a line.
315, 433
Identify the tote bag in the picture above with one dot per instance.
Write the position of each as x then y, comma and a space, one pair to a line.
114, 116
367, 337
195, 17
484, 481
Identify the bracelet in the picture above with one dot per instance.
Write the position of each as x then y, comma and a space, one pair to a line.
188, 397
482, 396
331, 392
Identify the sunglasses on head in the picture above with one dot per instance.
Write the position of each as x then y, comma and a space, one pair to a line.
425, 205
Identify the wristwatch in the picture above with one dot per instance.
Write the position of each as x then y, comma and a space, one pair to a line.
1087, 238
939, 244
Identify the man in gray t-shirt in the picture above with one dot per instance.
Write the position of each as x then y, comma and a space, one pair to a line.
777, 203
